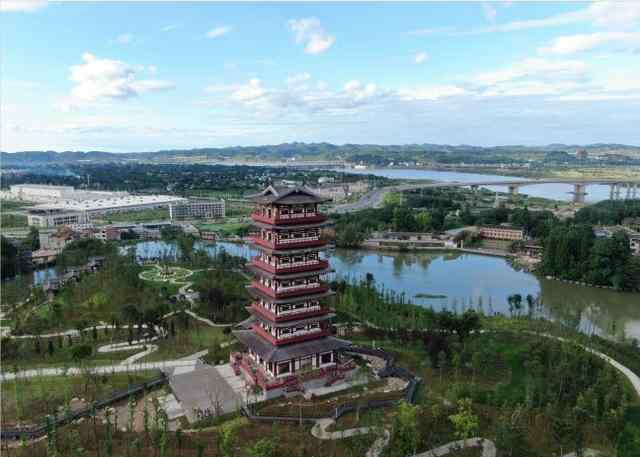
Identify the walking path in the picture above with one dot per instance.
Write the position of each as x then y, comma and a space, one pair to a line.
103, 369
320, 432
136, 344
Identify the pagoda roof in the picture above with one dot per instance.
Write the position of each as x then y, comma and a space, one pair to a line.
280, 324
272, 353
281, 301
287, 195
302, 274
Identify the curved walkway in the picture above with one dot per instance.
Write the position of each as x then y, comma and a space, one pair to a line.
136, 344
319, 430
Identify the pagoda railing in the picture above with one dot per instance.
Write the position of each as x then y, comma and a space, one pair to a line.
292, 267
285, 219
290, 243
294, 338
294, 314
282, 292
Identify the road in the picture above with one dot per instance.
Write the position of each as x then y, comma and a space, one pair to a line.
374, 198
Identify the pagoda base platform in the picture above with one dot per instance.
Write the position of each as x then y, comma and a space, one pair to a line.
299, 383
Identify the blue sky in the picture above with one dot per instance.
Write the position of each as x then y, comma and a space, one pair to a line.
138, 76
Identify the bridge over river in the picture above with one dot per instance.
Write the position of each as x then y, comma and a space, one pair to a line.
618, 189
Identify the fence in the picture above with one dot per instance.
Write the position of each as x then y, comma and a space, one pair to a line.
389, 370
42, 429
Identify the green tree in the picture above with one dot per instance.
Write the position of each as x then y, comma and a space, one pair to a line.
628, 444
405, 430
264, 447
465, 422
423, 221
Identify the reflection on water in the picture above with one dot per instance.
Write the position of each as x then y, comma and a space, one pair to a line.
595, 193
458, 281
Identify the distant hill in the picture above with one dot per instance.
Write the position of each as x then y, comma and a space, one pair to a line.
366, 153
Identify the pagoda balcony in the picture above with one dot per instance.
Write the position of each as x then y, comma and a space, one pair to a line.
291, 243
292, 267
292, 291
298, 337
294, 314
292, 218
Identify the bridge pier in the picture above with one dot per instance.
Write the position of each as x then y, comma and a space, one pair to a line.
579, 192
614, 191
474, 194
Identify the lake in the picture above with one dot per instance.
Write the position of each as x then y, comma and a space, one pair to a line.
466, 281
595, 193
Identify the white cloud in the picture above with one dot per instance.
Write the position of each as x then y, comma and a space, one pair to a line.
605, 13
152, 69
219, 31
298, 78
359, 91
572, 44
22, 5
124, 38
105, 79
310, 32
534, 68
249, 93
489, 11
430, 92
421, 57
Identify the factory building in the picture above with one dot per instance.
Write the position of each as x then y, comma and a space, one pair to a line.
197, 209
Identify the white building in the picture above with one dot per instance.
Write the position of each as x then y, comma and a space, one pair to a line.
55, 217
116, 204
42, 193
634, 243
197, 209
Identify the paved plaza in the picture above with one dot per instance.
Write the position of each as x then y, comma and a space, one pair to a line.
207, 390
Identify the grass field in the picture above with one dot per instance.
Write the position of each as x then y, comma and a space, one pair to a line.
11, 205
146, 215
225, 228
30, 400
189, 340
12, 220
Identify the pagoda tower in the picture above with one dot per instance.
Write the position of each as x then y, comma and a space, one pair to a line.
288, 339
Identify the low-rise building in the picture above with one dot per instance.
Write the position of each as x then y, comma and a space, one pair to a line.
55, 217
410, 240
501, 232
634, 244
58, 240
197, 209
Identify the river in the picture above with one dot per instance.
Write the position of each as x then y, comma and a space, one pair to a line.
595, 193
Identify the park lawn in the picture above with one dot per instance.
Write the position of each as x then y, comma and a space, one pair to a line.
289, 439
197, 337
31, 400
13, 220
22, 353
506, 377
146, 215
11, 205
224, 228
